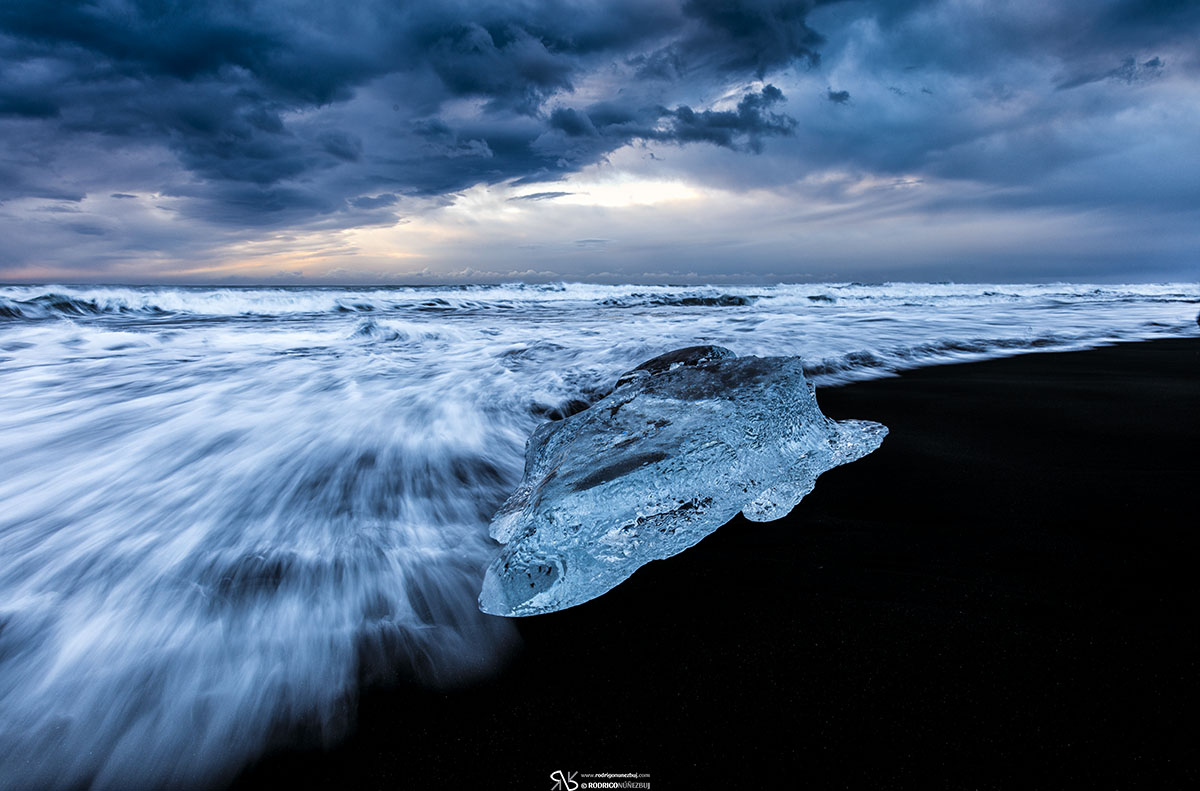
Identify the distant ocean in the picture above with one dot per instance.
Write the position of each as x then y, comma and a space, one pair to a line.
223, 507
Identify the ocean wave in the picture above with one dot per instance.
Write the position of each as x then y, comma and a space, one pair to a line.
199, 553
861, 364
36, 303
57, 305
226, 508
682, 301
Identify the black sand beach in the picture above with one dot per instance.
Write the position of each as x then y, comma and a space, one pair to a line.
1003, 596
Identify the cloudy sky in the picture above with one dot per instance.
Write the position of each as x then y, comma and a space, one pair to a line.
612, 140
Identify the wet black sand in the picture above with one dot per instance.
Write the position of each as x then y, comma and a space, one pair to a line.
1003, 596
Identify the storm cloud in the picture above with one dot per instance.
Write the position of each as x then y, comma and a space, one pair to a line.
236, 119
249, 97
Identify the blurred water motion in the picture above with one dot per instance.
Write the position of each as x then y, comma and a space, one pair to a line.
223, 507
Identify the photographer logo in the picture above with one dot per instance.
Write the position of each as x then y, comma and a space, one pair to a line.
564, 782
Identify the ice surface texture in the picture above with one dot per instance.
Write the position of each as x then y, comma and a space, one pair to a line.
683, 443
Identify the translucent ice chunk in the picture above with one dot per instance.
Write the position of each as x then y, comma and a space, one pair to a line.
683, 443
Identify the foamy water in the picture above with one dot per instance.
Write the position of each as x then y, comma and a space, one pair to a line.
222, 508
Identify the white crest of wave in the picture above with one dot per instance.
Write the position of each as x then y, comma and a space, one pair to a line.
282, 301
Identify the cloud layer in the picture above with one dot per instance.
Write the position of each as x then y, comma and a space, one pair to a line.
163, 135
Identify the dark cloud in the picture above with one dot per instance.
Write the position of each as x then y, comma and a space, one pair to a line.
743, 128
1129, 72
254, 205
513, 68
529, 150
25, 106
538, 196
266, 106
87, 229
572, 122
374, 202
582, 136
959, 93
250, 117
753, 35
1137, 24
342, 145
1076, 39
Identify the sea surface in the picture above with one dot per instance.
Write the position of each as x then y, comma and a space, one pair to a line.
223, 509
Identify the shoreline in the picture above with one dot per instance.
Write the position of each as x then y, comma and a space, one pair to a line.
998, 596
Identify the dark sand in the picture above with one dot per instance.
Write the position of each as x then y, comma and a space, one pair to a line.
1003, 596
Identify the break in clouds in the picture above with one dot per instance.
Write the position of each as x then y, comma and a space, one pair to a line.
169, 131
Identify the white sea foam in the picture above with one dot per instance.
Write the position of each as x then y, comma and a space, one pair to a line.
222, 507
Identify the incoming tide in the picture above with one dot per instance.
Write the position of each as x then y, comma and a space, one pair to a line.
225, 508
